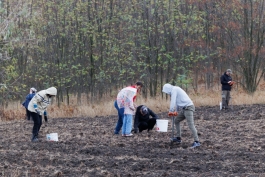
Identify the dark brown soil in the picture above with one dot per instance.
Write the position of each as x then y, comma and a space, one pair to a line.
232, 145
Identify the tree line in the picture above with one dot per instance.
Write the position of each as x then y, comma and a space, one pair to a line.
96, 47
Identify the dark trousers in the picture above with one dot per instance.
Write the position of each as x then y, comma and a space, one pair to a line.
37, 123
147, 125
28, 114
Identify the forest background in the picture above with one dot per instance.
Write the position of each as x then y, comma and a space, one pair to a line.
90, 49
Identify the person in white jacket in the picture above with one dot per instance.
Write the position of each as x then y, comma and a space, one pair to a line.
181, 101
125, 100
38, 107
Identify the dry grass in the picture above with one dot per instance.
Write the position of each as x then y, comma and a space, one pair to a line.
204, 98
237, 98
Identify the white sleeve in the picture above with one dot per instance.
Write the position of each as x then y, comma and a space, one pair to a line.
173, 100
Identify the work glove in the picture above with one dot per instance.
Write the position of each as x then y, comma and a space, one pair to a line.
172, 114
46, 118
37, 111
231, 83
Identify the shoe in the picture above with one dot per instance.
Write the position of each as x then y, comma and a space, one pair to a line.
223, 108
149, 130
176, 139
195, 144
129, 134
35, 139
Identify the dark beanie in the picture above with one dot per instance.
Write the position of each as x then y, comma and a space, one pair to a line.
144, 110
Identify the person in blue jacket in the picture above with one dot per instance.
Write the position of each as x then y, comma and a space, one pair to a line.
31, 94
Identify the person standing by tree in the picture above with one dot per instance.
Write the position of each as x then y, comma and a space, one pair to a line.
138, 85
226, 81
38, 106
142, 120
31, 94
180, 99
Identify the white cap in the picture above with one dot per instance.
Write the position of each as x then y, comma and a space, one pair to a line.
33, 89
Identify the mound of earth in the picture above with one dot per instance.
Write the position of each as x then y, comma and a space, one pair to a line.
232, 145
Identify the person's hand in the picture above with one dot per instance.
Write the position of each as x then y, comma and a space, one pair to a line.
172, 114
37, 111
132, 108
231, 82
46, 118
136, 131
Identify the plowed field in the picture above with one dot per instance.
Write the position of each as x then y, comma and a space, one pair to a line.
232, 145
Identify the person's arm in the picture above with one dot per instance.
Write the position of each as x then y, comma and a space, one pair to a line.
231, 83
152, 114
45, 116
224, 81
136, 120
28, 97
131, 106
173, 100
37, 98
23, 104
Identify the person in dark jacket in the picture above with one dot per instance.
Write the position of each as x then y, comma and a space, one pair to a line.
142, 120
226, 81
31, 94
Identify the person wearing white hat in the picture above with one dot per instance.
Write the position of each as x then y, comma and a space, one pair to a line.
31, 94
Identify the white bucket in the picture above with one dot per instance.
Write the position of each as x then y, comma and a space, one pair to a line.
52, 137
161, 125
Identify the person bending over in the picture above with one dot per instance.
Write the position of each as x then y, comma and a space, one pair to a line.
38, 107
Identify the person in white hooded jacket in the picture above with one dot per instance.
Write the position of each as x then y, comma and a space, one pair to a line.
181, 101
125, 100
38, 107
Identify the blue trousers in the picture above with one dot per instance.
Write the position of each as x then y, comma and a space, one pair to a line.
127, 124
120, 119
